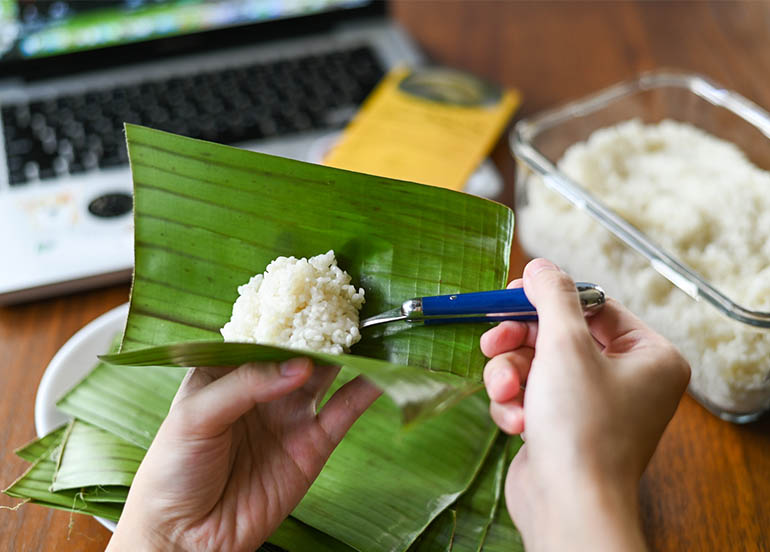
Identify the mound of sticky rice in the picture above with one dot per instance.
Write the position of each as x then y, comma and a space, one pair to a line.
302, 303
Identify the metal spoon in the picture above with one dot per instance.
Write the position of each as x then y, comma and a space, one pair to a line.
481, 306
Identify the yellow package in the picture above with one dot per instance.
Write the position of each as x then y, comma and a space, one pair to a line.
431, 125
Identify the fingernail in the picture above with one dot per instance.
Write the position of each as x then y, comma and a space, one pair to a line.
539, 265
293, 367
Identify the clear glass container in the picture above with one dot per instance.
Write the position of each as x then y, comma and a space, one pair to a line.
736, 388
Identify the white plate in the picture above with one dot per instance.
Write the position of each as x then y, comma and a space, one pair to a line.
70, 364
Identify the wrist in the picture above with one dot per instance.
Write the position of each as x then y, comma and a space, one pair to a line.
584, 512
133, 535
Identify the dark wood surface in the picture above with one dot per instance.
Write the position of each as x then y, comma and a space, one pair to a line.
708, 485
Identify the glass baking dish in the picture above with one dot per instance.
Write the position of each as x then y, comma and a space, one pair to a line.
730, 378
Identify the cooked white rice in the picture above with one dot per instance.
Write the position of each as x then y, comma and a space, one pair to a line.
701, 199
306, 304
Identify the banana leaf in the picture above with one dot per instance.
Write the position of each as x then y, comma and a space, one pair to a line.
502, 535
38, 447
380, 489
34, 484
439, 536
127, 401
98, 493
383, 485
92, 457
116, 494
417, 393
473, 513
477, 507
208, 217
295, 535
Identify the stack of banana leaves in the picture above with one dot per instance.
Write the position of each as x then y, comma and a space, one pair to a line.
423, 468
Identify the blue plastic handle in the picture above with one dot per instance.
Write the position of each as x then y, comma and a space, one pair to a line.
497, 305
474, 319
480, 302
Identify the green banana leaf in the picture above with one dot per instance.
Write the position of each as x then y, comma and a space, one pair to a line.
502, 535
98, 493
380, 489
116, 494
477, 507
208, 217
439, 536
34, 484
295, 535
416, 392
92, 457
473, 513
38, 447
127, 401
383, 485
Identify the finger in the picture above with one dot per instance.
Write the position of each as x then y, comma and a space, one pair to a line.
214, 407
505, 374
507, 336
516, 283
346, 406
558, 307
215, 372
195, 378
319, 383
190, 383
617, 329
509, 416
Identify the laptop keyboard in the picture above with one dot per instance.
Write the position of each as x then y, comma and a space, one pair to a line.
78, 133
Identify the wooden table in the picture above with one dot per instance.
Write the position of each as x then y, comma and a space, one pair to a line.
708, 486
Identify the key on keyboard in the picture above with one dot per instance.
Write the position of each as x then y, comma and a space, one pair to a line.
72, 134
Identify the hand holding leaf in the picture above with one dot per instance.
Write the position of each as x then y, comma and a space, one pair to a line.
238, 451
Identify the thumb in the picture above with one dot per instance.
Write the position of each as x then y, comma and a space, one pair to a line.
213, 408
558, 306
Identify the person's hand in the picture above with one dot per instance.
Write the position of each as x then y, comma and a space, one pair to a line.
599, 393
237, 452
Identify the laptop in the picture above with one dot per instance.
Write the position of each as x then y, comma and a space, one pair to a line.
276, 76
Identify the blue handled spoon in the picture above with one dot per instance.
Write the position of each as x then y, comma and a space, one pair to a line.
480, 306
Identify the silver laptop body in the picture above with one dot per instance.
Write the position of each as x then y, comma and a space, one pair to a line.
65, 222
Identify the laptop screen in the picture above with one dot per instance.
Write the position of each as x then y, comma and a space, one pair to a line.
41, 29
